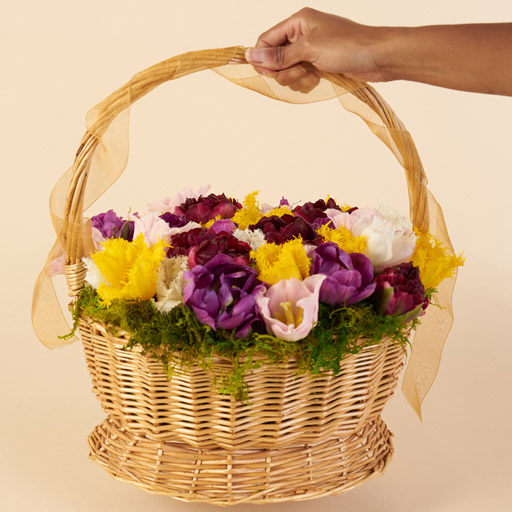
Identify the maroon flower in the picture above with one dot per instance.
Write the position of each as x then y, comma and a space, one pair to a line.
400, 292
313, 211
181, 243
203, 209
201, 245
279, 230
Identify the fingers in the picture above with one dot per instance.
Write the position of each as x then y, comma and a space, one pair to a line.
287, 31
277, 57
297, 78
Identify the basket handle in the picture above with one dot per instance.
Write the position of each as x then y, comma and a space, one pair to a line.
392, 132
85, 182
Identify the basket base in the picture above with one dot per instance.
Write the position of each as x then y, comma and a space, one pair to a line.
223, 477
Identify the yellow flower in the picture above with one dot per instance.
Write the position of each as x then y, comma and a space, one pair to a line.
210, 223
279, 212
275, 262
130, 268
435, 261
250, 214
344, 238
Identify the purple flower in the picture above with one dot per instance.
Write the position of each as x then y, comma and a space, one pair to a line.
222, 294
174, 221
321, 221
223, 226
400, 292
108, 223
349, 276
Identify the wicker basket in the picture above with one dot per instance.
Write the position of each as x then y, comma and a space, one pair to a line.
298, 437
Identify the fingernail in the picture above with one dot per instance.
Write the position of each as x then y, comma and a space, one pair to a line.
254, 55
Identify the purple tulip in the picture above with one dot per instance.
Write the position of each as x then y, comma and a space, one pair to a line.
400, 292
108, 223
349, 276
222, 293
174, 221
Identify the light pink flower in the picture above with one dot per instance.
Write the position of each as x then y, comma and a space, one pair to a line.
97, 238
169, 204
151, 226
290, 307
187, 227
57, 265
355, 221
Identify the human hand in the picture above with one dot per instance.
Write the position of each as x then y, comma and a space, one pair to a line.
331, 43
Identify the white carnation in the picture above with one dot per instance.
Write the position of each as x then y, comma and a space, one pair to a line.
169, 286
254, 238
389, 234
93, 275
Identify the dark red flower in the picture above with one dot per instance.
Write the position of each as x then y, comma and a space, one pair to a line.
203, 209
312, 211
279, 230
400, 292
202, 245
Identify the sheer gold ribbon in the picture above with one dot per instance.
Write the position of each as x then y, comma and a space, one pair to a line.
103, 154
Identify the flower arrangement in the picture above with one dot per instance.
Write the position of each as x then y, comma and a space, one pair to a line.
203, 274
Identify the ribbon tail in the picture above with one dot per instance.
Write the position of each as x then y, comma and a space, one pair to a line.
427, 347
47, 316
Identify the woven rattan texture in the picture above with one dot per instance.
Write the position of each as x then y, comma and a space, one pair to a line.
224, 477
299, 437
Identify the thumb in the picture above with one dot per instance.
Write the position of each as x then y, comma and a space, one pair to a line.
276, 57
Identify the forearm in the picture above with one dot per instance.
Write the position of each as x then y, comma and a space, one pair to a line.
473, 57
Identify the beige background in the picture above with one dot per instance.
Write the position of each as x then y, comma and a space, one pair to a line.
59, 58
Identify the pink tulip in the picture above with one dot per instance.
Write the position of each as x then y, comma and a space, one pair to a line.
151, 226
290, 307
169, 204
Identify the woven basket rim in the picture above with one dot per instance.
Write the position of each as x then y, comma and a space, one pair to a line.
122, 337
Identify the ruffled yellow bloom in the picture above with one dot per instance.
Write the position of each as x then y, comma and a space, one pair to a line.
130, 269
344, 238
279, 212
275, 262
435, 261
250, 214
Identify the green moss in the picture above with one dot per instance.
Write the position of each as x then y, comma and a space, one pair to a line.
179, 341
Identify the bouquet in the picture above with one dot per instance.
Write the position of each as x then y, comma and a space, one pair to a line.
202, 274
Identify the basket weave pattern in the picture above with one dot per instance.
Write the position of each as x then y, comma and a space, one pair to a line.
298, 437
221, 477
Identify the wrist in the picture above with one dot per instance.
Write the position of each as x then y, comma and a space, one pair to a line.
389, 52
